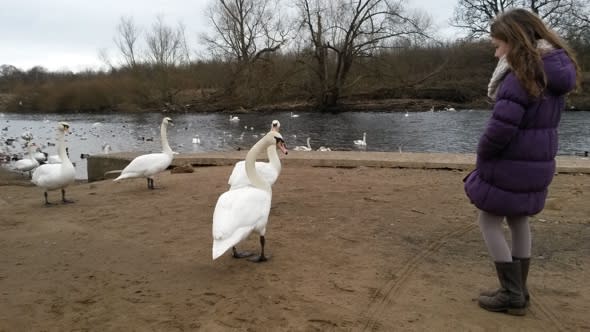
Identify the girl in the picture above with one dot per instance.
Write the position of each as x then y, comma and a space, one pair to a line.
516, 153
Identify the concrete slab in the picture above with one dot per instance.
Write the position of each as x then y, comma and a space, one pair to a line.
98, 165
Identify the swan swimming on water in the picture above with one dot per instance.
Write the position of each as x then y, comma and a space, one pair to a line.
148, 165
362, 142
303, 147
56, 176
234, 118
268, 171
30, 162
242, 211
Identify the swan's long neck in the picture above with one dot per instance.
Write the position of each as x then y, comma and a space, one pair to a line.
61, 149
273, 157
364, 138
308, 146
164, 137
31, 153
251, 172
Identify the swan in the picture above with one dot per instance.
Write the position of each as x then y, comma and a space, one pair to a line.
302, 147
323, 149
29, 163
196, 140
294, 115
242, 211
269, 171
362, 142
39, 155
106, 148
56, 176
234, 118
148, 165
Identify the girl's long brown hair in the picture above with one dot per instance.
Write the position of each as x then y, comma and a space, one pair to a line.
521, 29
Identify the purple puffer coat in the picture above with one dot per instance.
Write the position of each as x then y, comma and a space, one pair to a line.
516, 153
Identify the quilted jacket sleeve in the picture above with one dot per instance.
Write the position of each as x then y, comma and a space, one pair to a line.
510, 106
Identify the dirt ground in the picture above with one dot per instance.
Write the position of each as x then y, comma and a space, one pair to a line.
351, 250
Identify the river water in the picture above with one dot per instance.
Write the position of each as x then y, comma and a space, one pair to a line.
444, 131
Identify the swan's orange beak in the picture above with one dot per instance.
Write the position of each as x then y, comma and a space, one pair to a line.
282, 146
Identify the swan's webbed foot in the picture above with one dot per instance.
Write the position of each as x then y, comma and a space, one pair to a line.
259, 259
240, 254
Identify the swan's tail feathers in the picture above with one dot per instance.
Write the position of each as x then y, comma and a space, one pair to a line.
113, 172
221, 245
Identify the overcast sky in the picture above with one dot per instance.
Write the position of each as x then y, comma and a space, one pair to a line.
69, 34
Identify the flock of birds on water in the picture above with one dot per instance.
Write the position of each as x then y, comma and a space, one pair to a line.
244, 208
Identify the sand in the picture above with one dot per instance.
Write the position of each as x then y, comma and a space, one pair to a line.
351, 250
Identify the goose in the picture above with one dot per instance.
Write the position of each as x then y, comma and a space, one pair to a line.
234, 118
56, 176
29, 163
245, 210
362, 142
268, 171
148, 165
302, 147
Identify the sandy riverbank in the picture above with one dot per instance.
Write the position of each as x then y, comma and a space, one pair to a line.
352, 249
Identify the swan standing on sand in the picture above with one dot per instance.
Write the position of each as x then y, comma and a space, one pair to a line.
56, 176
303, 147
362, 142
30, 163
241, 211
268, 171
148, 165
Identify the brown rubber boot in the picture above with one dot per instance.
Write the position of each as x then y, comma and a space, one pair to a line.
510, 297
524, 267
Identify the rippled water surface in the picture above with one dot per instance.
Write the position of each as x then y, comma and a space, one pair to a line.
456, 132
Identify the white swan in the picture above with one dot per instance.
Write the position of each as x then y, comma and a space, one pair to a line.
234, 118
29, 163
244, 210
148, 165
196, 140
268, 171
56, 176
323, 149
303, 147
294, 115
362, 142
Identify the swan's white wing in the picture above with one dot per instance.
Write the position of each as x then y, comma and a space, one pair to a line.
238, 213
53, 176
146, 165
26, 164
239, 179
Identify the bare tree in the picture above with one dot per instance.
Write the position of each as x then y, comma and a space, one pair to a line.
474, 16
126, 40
244, 30
166, 45
342, 31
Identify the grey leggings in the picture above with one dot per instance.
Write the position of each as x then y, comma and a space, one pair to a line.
493, 235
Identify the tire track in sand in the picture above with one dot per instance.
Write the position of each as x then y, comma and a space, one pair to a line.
378, 303
538, 303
